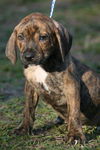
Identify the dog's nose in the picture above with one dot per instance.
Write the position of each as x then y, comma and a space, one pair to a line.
28, 56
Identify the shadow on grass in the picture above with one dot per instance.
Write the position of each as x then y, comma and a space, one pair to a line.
46, 127
91, 133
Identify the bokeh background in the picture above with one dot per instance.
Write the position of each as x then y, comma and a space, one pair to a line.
82, 19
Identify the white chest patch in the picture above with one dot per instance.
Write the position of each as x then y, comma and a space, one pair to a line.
36, 74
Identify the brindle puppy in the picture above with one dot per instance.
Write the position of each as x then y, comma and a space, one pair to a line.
70, 87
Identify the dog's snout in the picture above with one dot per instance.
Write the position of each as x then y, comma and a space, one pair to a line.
28, 56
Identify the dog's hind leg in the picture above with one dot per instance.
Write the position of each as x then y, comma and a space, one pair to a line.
29, 111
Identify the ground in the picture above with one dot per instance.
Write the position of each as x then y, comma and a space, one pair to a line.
82, 18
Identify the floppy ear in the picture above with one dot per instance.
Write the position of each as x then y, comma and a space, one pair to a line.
11, 48
64, 39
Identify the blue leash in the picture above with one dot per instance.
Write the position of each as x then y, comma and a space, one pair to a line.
52, 7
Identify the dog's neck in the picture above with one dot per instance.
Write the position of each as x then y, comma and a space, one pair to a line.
53, 64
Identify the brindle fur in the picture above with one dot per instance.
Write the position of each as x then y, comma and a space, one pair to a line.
70, 87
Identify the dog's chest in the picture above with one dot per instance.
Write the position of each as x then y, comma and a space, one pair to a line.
36, 76
47, 84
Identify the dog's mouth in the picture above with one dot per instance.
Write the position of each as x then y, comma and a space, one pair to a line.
27, 58
36, 60
31, 62
33, 58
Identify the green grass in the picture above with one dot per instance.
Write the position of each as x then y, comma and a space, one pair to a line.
51, 137
81, 17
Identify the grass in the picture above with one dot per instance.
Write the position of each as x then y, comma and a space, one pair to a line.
46, 135
82, 19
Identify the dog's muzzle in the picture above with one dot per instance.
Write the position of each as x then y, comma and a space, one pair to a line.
28, 56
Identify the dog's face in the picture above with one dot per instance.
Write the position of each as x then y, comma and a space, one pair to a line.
38, 37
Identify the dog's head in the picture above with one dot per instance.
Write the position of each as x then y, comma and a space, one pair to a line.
38, 37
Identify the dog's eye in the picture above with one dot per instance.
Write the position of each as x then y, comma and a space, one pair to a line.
20, 37
43, 37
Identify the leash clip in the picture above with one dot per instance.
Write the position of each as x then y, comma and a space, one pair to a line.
52, 7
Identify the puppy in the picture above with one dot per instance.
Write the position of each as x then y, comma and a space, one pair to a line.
70, 87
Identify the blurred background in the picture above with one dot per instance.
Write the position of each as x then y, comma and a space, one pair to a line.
80, 17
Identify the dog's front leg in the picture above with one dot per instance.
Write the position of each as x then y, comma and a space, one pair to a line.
29, 111
72, 92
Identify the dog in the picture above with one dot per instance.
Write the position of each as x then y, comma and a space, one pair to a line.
70, 87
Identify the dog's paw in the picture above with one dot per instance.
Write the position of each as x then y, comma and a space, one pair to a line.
75, 139
23, 130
